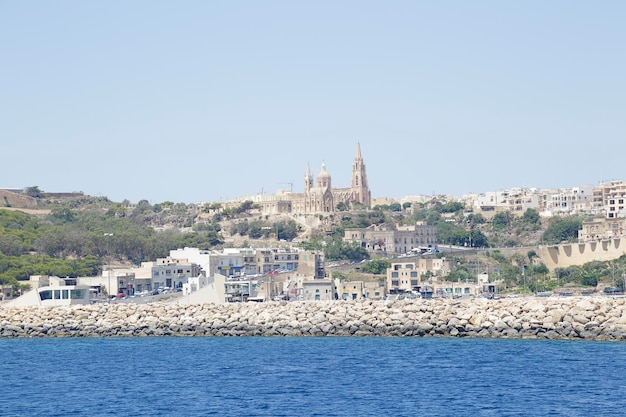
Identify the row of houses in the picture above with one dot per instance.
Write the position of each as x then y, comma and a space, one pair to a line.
186, 268
426, 277
247, 274
607, 200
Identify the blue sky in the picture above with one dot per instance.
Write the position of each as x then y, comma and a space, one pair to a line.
210, 100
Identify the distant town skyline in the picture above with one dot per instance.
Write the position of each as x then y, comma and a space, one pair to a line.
206, 101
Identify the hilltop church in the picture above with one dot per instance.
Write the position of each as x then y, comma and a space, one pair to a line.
320, 196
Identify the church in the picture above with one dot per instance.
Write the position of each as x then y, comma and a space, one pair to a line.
319, 196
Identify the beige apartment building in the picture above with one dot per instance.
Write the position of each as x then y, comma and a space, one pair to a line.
599, 229
515, 200
306, 263
412, 275
612, 197
566, 201
393, 239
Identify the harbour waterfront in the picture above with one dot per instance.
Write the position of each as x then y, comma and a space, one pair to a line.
596, 318
311, 376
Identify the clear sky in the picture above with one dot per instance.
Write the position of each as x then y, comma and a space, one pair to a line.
192, 101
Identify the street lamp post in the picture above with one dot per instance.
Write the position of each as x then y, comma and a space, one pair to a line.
269, 274
108, 236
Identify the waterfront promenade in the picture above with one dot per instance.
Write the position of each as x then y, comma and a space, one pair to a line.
593, 318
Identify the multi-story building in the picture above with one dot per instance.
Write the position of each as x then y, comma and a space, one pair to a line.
173, 273
599, 229
408, 276
229, 262
204, 258
241, 291
403, 277
393, 239
613, 195
515, 200
306, 263
241, 262
565, 201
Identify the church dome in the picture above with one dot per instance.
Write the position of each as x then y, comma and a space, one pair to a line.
323, 174
323, 178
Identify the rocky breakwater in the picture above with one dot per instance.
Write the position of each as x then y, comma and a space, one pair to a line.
566, 318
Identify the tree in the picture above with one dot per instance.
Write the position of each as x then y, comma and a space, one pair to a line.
478, 239
376, 266
286, 230
475, 219
531, 217
336, 249
245, 207
562, 229
451, 207
33, 191
395, 207
502, 220
63, 214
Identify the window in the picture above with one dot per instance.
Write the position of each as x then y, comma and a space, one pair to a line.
394, 282
78, 294
394, 275
45, 295
413, 282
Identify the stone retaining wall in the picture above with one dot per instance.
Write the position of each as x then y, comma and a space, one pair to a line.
566, 318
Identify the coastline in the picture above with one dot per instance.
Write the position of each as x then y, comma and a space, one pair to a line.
575, 318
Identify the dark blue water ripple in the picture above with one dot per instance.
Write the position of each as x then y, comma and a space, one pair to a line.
311, 377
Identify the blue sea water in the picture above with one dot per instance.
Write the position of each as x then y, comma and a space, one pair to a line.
256, 376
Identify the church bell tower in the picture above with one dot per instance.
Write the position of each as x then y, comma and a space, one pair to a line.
360, 188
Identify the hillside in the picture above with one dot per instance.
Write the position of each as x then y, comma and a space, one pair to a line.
70, 234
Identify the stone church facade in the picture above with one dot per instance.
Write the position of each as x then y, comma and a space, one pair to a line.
319, 196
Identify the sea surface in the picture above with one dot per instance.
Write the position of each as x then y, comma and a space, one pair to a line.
332, 376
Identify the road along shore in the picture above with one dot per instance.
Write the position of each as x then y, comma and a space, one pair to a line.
601, 318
